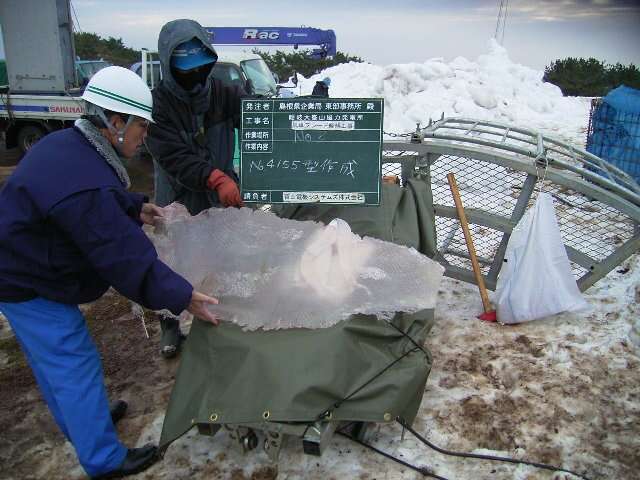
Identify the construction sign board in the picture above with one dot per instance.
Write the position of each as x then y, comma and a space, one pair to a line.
311, 150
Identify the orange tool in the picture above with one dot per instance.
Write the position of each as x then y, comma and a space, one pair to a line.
489, 314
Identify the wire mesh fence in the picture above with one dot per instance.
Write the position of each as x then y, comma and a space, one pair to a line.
497, 188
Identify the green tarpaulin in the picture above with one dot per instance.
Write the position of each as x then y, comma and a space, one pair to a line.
405, 216
362, 369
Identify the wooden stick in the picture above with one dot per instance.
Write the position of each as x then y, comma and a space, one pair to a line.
467, 237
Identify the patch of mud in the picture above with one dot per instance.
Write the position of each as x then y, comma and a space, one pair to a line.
538, 390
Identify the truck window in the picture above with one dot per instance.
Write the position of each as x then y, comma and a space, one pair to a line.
87, 69
258, 72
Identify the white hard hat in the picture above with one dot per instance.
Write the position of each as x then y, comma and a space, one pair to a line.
120, 90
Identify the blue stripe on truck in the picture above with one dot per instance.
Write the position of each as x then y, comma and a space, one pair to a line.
26, 108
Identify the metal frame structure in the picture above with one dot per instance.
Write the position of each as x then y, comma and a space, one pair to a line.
499, 168
271, 436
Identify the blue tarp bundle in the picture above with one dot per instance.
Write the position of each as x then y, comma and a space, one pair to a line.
615, 130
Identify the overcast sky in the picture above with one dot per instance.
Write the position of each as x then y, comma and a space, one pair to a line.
384, 32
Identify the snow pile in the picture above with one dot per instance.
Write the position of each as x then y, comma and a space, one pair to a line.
491, 88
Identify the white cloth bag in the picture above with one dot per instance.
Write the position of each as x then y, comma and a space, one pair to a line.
536, 280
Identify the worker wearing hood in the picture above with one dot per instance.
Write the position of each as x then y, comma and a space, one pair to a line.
321, 88
192, 139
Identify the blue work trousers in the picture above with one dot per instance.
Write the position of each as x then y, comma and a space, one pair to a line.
66, 364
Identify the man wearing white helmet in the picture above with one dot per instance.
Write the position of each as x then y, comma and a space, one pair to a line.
69, 230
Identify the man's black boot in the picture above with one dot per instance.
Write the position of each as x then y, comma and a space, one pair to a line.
118, 409
137, 460
171, 337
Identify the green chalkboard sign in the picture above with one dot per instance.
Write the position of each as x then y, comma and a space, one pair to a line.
310, 150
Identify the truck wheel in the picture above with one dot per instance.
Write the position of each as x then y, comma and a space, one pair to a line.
28, 136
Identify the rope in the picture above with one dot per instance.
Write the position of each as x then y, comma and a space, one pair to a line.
337, 404
504, 21
406, 335
73, 10
541, 178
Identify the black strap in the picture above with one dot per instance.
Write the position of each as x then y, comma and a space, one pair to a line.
425, 471
337, 404
553, 468
405, 334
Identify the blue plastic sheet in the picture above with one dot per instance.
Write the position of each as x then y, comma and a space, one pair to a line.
615, 130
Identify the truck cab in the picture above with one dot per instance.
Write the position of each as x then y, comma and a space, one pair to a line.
85, 69
246, 69
233, 68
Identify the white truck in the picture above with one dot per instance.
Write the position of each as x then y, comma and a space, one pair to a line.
245, 69
43, 91
25, 118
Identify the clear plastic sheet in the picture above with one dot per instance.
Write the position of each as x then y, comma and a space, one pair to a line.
273, 273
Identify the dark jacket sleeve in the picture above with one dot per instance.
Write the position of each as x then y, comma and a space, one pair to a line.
233, 103
137, 199
173, 152
166, 140
103, 224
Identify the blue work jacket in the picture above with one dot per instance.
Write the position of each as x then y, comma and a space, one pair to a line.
69, 229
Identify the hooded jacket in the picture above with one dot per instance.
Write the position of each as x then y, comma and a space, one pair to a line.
193, 132
69, 229
320, 89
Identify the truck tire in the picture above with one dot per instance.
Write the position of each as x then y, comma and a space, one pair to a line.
28, 135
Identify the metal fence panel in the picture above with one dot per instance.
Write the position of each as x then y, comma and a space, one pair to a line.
499, 168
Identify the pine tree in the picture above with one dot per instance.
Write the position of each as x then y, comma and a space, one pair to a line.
590, 77
284, 64
90, 46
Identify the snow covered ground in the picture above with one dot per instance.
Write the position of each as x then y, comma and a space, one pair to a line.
563, 391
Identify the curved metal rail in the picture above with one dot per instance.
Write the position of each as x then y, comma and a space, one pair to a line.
499, 167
